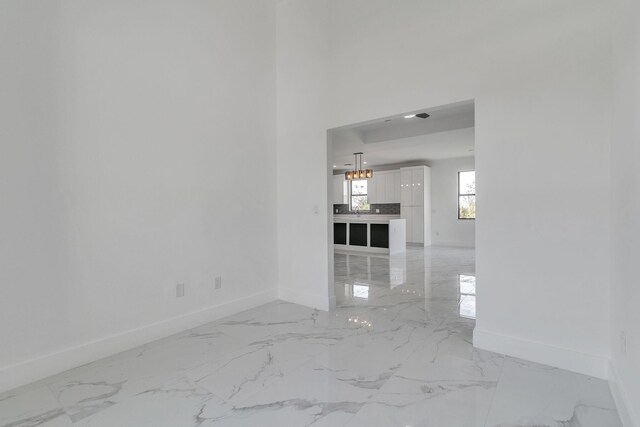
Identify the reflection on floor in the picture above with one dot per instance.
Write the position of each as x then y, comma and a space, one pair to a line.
396, 352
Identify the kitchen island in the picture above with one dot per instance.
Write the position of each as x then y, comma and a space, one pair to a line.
370, 233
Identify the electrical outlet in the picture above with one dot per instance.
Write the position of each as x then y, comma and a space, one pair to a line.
179, 290
377, 210
218, 282
623, 343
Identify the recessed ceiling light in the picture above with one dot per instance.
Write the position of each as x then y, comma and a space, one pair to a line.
410, 116
335, 166
364, 163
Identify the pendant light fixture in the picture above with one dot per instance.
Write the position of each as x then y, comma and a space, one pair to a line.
358, 172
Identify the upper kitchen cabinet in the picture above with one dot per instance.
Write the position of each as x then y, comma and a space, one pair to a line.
384, 187
340, 194
372, 189
393, 187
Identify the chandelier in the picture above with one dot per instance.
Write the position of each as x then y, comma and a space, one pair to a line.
358, 172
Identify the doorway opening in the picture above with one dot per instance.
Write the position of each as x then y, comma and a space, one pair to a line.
402, 197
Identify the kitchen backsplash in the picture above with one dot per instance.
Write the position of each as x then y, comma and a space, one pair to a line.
383, 208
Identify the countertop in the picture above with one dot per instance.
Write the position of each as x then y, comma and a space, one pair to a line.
364, 218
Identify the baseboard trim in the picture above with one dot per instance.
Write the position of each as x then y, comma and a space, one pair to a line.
35, 369
558, 357
626, 411
332, 302
455, 244
319, 302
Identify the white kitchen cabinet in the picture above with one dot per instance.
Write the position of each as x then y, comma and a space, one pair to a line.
339, 187
372, 189
414, 216
384, 187
407, 213
380, 183
417, 188
392, 187
405, 188
417, 230
379, 187
415, 203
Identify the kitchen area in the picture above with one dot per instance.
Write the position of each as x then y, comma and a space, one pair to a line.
384, 212
402, 182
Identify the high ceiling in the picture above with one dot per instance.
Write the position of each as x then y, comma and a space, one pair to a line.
447, 133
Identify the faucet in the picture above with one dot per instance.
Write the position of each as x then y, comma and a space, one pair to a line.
358, 212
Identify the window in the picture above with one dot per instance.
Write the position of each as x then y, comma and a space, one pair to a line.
467, 195
359, 198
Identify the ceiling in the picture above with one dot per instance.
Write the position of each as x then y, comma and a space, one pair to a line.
447, 133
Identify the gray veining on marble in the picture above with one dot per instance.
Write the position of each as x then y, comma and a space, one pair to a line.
397, 351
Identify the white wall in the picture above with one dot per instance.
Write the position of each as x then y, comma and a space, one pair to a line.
540, 76
123, 128
304, 184
447, 229
625, 208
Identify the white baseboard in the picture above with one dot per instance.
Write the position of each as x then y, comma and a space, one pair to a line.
35, 369
455, 244
627, 413
332, 302
320, 302
558, 357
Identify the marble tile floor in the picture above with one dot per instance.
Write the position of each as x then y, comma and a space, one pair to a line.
396, 352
